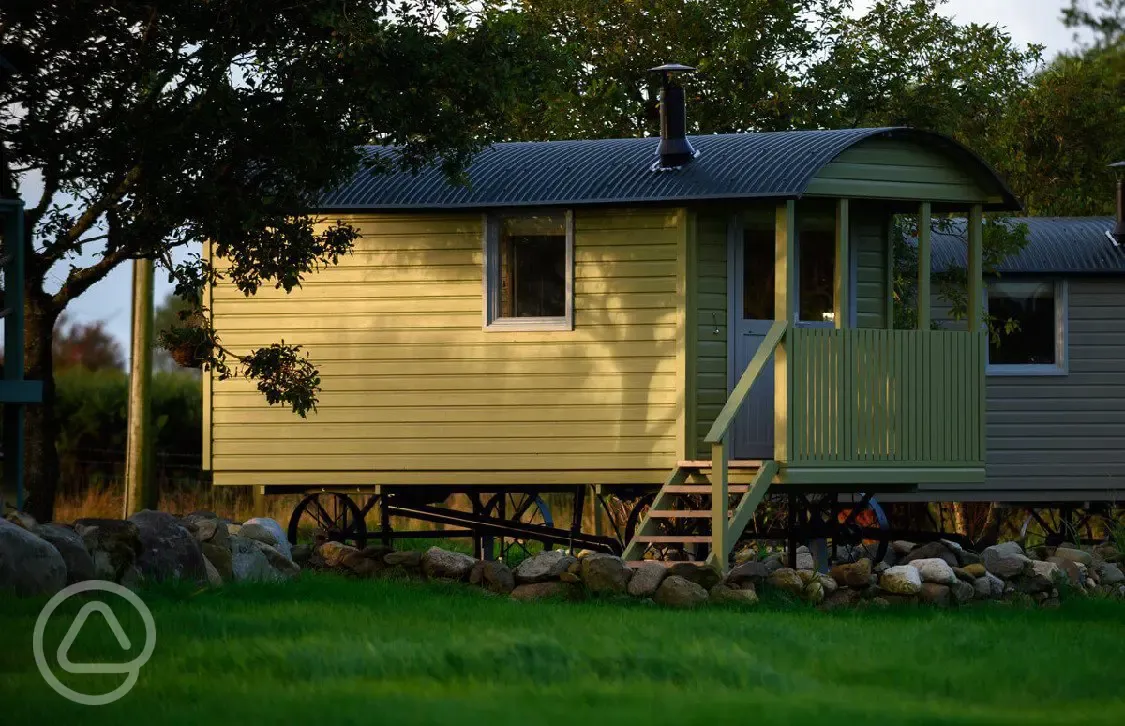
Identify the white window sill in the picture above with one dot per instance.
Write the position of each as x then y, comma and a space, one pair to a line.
1025, 370
529, 324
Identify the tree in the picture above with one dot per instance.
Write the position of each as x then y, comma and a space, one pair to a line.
158, 124
85, 345
170, 314
1105, 18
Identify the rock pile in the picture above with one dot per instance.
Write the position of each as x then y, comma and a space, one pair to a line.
41, 559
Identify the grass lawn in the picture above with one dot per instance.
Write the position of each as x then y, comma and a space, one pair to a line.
326, 650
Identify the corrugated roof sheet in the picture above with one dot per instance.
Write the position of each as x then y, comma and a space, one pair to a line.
1055, 245
730, 166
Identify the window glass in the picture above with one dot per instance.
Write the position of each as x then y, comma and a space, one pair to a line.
1030, 308
757, 271
532, 267
817, 252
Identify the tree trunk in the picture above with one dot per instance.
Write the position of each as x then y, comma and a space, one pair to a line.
41, 474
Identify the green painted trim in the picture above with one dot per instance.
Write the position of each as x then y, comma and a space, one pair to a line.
784, 309
746, 381
889, 274
877, 476
688, 265
899, 191
21, 392
974, 269
720, 501
924, 253
842, 283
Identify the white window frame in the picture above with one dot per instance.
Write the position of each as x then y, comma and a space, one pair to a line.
491, 277
1061, 366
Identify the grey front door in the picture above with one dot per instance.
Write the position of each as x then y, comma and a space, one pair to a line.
751, 261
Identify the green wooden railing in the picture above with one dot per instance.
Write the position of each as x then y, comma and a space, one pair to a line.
725, 533
885, 398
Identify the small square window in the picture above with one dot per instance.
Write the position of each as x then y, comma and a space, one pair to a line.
1036, 314
528, 271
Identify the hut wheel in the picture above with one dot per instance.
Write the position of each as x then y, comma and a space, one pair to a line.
330, 515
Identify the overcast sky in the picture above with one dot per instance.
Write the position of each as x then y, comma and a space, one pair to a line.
1028, 21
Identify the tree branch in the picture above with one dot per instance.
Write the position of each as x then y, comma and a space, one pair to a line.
80, 280
54, 252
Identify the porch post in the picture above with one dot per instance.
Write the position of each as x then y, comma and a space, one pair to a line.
785, 309
975, 312
924, 266
843, 284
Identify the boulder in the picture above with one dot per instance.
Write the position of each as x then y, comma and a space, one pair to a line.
439, 564
773, 562
989, 587
113, 543
206, 527
1006, 560
646, 578
1075, 571
752, 572
1044, 577
284, 567
677, 592
723, 593
935, 570
259, 532
409, 559
787, 580
301, 554
827, 583
168, 550
962, 591
843, 597
21, 519
808, 576
331, 554
367, 562
214, 579
856, 574
934, 594
220, 559
1074, 555
967, 558
964, 575
871, 552
901, 580
902, 548
932, 550
805, 559
249, 562
493, 576
546, 591
702, 575
544, 566
281, 541
814, 592
79, 563
29, 564
1109, 574
976, 570
605, 574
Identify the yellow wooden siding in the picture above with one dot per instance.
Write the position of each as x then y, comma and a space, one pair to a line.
711, 327
882, 168
415, 391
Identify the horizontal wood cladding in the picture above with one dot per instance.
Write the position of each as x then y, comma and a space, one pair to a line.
881, 168
1062, 436
869, 239
413, 387
710, 281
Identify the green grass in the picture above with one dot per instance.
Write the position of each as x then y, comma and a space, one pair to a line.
325, 650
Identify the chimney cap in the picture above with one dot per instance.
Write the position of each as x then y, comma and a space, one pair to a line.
675, 68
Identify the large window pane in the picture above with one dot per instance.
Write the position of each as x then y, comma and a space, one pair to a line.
817, 275
757, 271
533, 267
1028, 308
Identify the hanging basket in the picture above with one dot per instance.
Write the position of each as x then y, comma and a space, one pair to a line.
189, 354
189, 344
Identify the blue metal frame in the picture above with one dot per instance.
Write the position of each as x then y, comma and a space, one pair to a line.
15, 392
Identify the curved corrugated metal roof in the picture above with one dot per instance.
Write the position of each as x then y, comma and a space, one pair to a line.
1055, 245
730, 166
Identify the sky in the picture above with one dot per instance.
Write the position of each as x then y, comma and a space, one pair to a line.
1028, 21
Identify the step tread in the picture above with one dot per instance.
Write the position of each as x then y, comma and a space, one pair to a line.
682, 513
703, 488
685, 539
731, 464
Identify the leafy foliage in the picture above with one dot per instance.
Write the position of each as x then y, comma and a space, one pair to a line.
86, 345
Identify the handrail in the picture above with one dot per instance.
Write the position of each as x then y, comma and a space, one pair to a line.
742, 389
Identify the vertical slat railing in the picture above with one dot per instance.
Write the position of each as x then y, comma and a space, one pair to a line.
909, 397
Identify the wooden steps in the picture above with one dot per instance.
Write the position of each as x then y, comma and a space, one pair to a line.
732, 464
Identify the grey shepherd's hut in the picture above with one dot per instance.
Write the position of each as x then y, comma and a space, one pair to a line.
1055, 385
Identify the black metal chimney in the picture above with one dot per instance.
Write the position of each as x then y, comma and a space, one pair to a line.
675, 150
1119, 230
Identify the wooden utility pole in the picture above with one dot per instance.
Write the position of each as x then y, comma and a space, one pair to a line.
140, 490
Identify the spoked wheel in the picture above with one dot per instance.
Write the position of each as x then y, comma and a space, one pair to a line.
524, 508
334, 516
826, 524
1052, 527
670, 527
